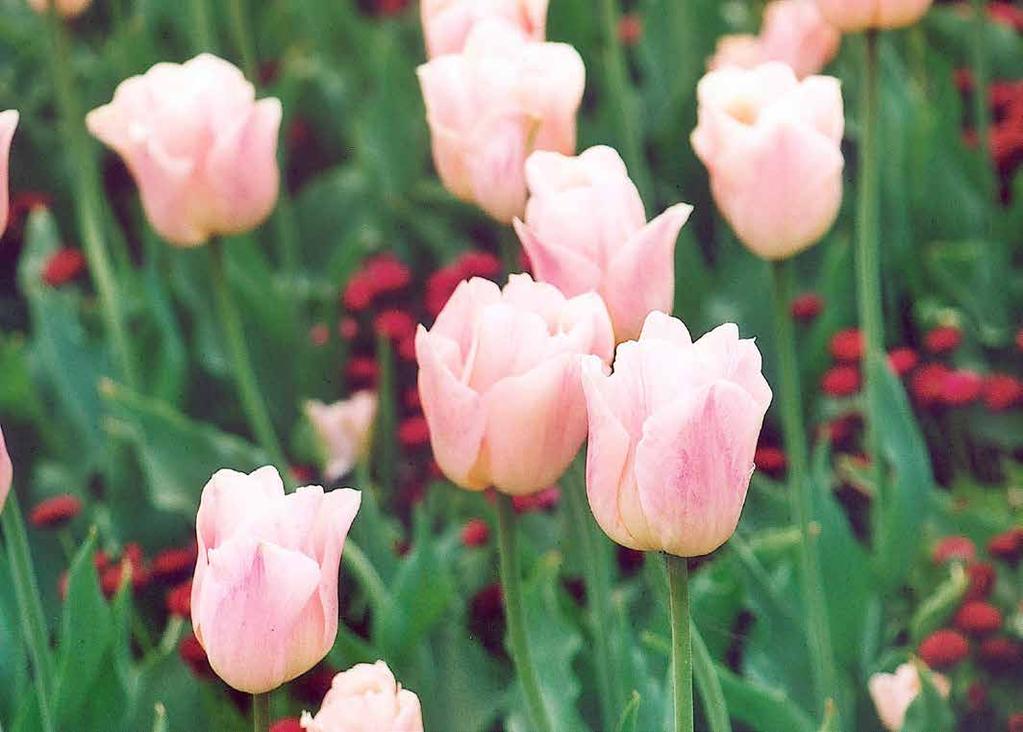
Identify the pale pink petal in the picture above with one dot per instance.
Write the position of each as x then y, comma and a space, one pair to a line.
8, 123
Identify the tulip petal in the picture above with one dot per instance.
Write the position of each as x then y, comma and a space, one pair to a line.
571, 272
8, 123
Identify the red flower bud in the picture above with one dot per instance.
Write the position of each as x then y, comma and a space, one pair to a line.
286, 725
954, 547
960, 388
943, 649
927, 383
1002, 392
630, 29
771, 460
395, 324
1001, 654
903, 360
173, 565
179, 600
807, 306
55, 512
944, 339
192, 653
847, 345
1007, 546
479, 264
982, 581
475, 533
414, 432
841, 381
978, 618
63, 266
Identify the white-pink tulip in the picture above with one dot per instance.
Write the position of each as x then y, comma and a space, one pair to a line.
202, 150
851, 16
6, 471
492, 105
586, 230
8, 123
366, 698
65, 8
894, 693
344, 430
447, 23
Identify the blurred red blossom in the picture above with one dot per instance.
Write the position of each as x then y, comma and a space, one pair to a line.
1007, 545
943, 339
807, 306
847, 345
541, 501
961, 387
1002, 392
476, 532
943, 649
179, 600
414, 432
978, 618
1001, 654
841, 381
927, 383
174, 564
954, 547
55, 512
903, 360
287, 725
771, 460
630, 28
63, 266
192, 653
982, 581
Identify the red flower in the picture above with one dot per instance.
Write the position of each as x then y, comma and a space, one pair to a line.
1007, 546
960, 388
1002, 392
479, 264
903, 360
475, 533
771, 460
954, 547
414, 432
1001, 654
978, 618
55, 512
387, 273
630, 29
807, 306
1016, 722
389, 8
363, 370
411, 398
944, 339
928, 383
440, 286
841, 381
179, 600
847, 345
63, 266
192, 653
1011, 16
982, 580
286, 725
395, 325
943, 649
174, 564
359, 292
407, 349
545, 499
348, 328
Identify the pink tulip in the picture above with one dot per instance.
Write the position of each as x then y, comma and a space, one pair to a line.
366, 698
65, 8
495, 103
499, 381
8, 123
202, 150
894, 693
6, 471
344, 430
772, 146
741, 50
586, 230
851, 16
795, 33
264, 593
672, 436
447, 23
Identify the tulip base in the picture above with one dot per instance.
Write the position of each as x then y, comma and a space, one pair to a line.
260, 713
681, 642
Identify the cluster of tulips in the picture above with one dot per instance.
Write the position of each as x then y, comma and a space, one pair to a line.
514, 380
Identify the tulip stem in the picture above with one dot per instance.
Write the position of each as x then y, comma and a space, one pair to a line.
593, 554
243, 39
245, 378
260, 712
511, 585
88, 198
201, 27
681, 642
800, 489
30, 606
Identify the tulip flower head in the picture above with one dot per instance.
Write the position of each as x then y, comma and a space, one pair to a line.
202, 150
672, 436
586, 230
894, 693
772, 147
447, 23
366, 698
499, 381
6, 471
8, 123
492, 105
65, 8
264, 594
851, 16
344, 430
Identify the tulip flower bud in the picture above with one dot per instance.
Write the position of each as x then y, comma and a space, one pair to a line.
8, 122
586, 230
851, 16
65, 8
264, 594
366, 698
499, 381
894, 693
202, 150
6, 471
344, 429
772, 147
673, 431
492, 105
447, 23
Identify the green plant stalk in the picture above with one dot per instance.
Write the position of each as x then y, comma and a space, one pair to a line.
88, 198
249, 393
681, 642
202, 27
511, 585
30, 607
244, 41
981, 103
622, 98
800, 491
598, 595
714, 706
260, 712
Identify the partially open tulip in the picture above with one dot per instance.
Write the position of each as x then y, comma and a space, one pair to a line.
202, 150
894, 693
447, 23
8, 123
771, 144
499, 381
264, 593
344, 430
586, 230
492, 105
65, 8
6, 471
673, 431
742, 50
366, 698
851, 16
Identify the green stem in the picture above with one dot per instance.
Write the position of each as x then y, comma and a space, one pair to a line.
622, 99
593, 555
709, 685
800, 490
202, 27
681, 642
30, 606
366, 574
245, 378
245, 44
511, 585
88, 198
981, 102
260, 712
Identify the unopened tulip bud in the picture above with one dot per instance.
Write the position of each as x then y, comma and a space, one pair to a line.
6, 471
264, 594
851, 16
586, 230
366, 698
795, 33
672, 435
344, 430
8, 123
202, 150
448, 23
894, 693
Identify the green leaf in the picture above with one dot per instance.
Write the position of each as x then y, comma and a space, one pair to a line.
930, 711
974, 275
940, 605
630, 715
763, 708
